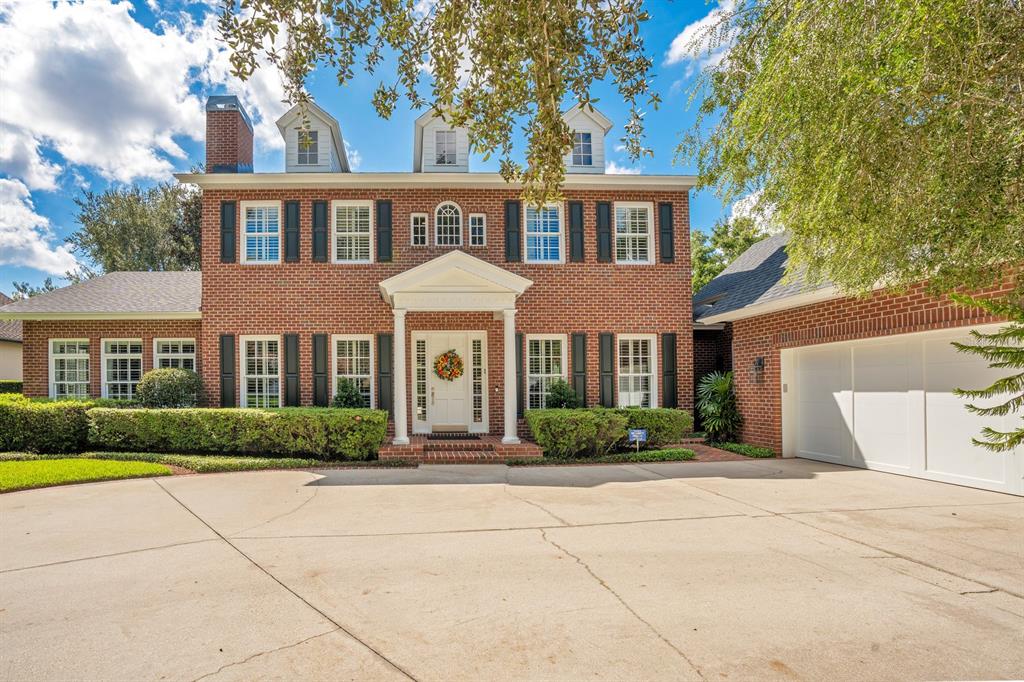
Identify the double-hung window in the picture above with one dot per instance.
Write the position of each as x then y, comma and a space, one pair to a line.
544, 234
353, 231
261, 227
444, 146
545, 362
637, 371
261, 371
122, 367
634, 241
582, 150
477, 229
448, 225
69, 368
177, 353
353, 361
418, 229
308, 144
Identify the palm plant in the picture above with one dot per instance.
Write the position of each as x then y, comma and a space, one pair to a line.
716, 404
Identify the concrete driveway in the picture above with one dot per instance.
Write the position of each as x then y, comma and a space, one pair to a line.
734, 570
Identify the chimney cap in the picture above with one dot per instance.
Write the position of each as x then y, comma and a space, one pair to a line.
228, 103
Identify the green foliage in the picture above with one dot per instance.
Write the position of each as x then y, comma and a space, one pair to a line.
22, 475
495, 66
886, 136
10, 386
664, 425
348, 395
730, 237
562, 395
42, 426
576, 433
746, 450
667, 455
322, 433
716, 404
23, 290
169, 387
1003, 349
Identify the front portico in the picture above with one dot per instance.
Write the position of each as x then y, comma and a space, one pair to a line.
452, 283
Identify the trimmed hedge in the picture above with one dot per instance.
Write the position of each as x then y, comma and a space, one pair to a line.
10, 386
746, 450
576, 433
56, 426
322, 433
169, 387
664, 425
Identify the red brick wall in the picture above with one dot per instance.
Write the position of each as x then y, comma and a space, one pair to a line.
843, 319
38, 334
307, 298
228, 141
712, 351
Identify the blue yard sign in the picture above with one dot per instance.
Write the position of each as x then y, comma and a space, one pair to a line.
638, 435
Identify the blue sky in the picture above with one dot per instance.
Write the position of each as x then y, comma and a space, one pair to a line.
105, 92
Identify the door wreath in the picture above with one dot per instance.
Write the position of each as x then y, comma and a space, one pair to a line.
448, 365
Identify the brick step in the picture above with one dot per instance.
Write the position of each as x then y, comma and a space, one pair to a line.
440, 445
447, 457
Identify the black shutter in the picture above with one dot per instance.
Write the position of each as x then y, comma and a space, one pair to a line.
669, 381
604, 232
579, 366
292, 397
291, 231
576, 231
384, 231
606, 360
320, 231
513, 232
666, 233
227, 370
519, 375
385, 373
321, 386
228, 248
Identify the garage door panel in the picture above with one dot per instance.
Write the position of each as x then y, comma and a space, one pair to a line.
881, 404
824, 397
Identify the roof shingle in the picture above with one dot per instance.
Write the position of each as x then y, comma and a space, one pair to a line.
116, 293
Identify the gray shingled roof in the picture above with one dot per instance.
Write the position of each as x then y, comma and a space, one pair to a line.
9, 330
754, 278
116, 293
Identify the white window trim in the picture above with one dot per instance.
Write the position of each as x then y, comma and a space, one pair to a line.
650, 231
469, 229
334, 363
564, 338
462, 226
561, 236
653, 339
337, 203
104, 356
245, 205
426, 229
53, 356
184, 339
242, 399
299, 150
455, 152
572, 152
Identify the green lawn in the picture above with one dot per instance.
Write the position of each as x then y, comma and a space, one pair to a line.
39, 473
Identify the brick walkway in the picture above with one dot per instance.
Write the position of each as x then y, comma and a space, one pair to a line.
706, 453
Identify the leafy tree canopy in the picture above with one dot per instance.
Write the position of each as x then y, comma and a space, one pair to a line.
888, 137
729, 238
23, 290
492, 64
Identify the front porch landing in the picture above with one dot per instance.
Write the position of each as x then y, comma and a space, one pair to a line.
486, 449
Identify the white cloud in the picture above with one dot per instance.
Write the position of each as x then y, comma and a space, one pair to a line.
103, 91
763, 216
698, 43
612, 168
25, 236
355, 159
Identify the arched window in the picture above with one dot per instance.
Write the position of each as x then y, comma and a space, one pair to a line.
448, 225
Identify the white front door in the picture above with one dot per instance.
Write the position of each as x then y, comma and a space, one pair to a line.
456, 405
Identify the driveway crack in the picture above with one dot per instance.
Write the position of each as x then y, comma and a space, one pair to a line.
316, 489
508, 492
264, 653
622, 601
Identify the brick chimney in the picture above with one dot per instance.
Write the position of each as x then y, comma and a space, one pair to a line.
228, 136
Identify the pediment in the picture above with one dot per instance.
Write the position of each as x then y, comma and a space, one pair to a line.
484, 285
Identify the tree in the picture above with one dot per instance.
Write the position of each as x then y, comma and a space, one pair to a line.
130, 228
493, 64
23, 290
730, 237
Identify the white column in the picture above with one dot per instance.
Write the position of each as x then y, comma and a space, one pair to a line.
511, 423
401, 418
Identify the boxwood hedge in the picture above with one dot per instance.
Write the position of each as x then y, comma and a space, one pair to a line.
56, 426
596, 431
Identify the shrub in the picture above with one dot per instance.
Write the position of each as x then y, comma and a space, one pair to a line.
561, 395
323, 433
43, 425
747, 450
10, 386
169, 387
664, 425
348, 395
576, 433
716, 404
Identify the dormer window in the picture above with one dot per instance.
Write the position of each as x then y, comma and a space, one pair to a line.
444, 141
582, 150
308, 144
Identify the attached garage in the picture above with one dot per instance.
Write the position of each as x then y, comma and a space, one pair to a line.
888, 404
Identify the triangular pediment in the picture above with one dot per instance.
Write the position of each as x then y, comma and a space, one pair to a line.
484, 285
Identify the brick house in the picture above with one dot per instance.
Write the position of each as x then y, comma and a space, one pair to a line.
863, 382
318, 273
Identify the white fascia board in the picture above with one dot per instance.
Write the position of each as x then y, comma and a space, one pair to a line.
797, 301
189, 315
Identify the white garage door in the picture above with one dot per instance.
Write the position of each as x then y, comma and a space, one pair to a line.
888, 404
